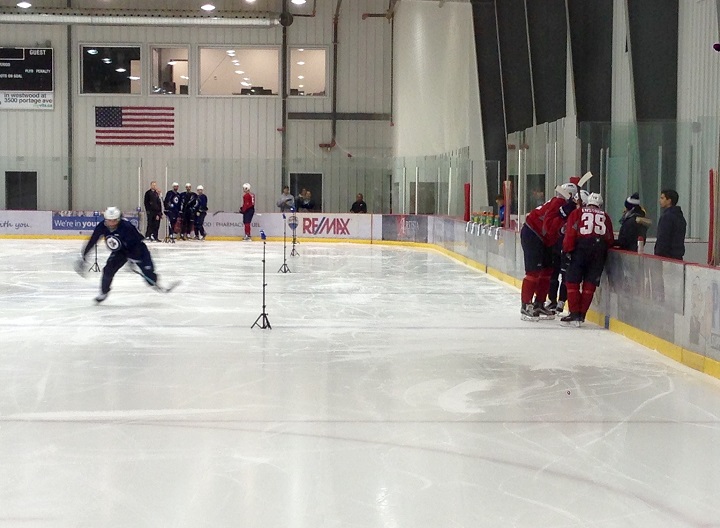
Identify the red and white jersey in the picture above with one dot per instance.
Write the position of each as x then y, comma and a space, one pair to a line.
248, 201
545, 220
587, 223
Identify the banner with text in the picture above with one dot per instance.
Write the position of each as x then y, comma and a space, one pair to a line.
24, 222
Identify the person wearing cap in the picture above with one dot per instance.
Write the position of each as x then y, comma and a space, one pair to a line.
153, 211
633, 224
247, 209
188, 200
125, 243
200, 212
172, 208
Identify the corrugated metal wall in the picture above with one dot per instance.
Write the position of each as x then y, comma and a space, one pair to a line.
221, 142
36, 141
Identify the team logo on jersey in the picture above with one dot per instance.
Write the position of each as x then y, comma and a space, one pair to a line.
113, 243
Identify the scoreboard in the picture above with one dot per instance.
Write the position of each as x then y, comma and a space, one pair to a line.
26, 78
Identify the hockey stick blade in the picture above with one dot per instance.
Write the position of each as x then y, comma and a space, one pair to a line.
563, 192
586, 177
168, 289
163, 289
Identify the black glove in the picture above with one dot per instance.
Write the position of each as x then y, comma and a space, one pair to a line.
565, 260
566, 209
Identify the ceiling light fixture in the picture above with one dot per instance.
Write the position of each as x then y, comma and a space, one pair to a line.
301, 76
208, 7
107, 61
120, 70
301, 63
24, 5
92, 51
298, 2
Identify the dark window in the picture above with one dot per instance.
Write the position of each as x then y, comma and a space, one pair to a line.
111, 70
21, 191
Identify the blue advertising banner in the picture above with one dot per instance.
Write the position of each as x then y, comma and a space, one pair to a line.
84, 220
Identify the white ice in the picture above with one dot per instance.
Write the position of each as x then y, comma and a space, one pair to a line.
397, 388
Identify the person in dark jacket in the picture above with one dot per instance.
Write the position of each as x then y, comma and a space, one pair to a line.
633, 224
153, 211
671, 227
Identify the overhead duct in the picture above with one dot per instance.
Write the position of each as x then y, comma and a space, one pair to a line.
119, 17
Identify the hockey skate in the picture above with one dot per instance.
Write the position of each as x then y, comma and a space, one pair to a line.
574, 319
528, 313
560, 308
100, 298
544, 313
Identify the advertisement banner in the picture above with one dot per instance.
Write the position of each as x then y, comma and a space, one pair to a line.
24, 222
83, 222
26, 100
405, 228
314, 225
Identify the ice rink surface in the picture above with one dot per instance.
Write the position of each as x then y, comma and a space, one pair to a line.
397, 388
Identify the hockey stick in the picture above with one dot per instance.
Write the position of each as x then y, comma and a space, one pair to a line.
135, 269
586, 177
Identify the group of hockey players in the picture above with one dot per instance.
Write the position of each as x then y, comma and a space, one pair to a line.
567, 236
186, 212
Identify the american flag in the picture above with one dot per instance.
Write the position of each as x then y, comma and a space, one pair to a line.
135, 126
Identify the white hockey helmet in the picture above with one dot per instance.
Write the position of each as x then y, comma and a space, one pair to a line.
176, 184
200, 188
571, 188
583, 196
112, 213
246, 186
595, 199
188, 186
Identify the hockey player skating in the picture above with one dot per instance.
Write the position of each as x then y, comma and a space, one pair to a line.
588, 236
247, 209
125, 243
538, 235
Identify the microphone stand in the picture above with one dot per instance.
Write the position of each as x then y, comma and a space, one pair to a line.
284, 268
293, 221
95, 267
262, 321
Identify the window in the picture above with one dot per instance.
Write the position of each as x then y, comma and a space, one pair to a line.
307, 71
170, 74
239, 71
110, 70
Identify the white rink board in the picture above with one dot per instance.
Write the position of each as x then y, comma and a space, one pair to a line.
220, 224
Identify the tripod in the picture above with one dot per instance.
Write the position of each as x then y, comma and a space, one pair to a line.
284, 268
293, 223
262, 321
95, 267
